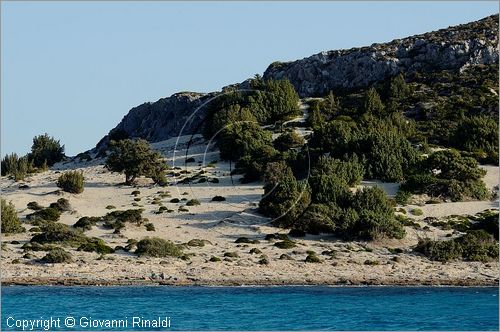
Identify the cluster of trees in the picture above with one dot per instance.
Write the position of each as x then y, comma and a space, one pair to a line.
325, 203
447, 174
45, 152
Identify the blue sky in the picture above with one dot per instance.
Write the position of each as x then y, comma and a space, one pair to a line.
74, 69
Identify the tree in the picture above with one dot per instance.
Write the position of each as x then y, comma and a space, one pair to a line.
10, 220
331, 104
284, 197
46, 149
398, 90
134, 158
373, 103
288, 140
350, 171
478, 134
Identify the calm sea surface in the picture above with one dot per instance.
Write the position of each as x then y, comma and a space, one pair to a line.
251, 308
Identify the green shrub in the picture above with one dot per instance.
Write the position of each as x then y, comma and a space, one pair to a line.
57, 255
416, 212
231, 254
312, 258
263, 260
370, 262
34, 206
71, 181
193, 202
61, 205
96, 245
175, 200
255, 251
402, 197
48, 214
196, 243
135, 193
150, 227
86, 223
287, 244
214, 259
157, 247
288, 140
246, 240
10, 220
110, 207
442, 251
60, 233
182, 209
218, 199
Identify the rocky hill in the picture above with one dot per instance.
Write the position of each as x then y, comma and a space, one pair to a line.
454, 48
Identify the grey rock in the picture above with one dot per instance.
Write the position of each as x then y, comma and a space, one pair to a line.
454, 48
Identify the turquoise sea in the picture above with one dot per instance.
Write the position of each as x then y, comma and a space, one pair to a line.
249, 308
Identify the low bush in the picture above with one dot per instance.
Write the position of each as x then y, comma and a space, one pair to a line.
150, 227
371, 262
61, 233
218, 199
231, 254
71, 181
246, 240
312, 258
193, 202
110, 207
287, 244
10, 220
157, 247
86, 223
62, 205
34, 206
196, 243
96, 245
416, 212
48, 214
402, 197
214, 259
255, 251
175, 200
57, 255
135, 193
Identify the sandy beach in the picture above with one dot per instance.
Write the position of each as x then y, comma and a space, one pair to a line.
219, 224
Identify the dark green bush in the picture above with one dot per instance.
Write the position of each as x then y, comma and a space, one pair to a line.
196, 243
150, 227
287, 244
71, 181
157, 247
193, 202
61, 205
218, 199
34, 206
48, 214
288, 140
95, 245
61, 233
10, 221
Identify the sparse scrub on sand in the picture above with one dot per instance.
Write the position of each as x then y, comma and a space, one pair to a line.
150, 227
264, 260
255, 251
71, 181
231, 254
10, 220
86, 223
371, 262
214, 259
57, 255
157, 247
59, 233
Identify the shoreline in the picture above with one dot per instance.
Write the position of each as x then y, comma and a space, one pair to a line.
247, 283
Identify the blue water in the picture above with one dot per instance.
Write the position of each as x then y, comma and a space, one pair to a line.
260, 308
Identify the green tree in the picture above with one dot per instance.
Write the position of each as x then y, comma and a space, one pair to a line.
288, 140
373, 104
10, 220
46, 149
134, 158
478, 134
284, 197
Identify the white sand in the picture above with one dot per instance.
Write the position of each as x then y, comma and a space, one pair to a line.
221, 223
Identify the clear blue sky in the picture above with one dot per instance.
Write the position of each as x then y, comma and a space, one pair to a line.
74, 69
